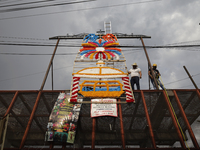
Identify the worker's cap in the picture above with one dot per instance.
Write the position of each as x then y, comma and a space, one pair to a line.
154, 65
134, 64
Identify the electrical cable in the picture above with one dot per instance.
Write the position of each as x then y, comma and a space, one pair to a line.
83, 9
122, 46
183, 79
33, 74
40, 45
36, 54
6, 2
27, 3
50, 5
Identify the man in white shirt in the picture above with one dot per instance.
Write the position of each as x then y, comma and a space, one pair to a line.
136, 75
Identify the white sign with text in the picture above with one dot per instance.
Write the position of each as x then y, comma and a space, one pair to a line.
103, 107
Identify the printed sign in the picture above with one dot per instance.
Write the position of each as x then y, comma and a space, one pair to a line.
103, 109
63, 120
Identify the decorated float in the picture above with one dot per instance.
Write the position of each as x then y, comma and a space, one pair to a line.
103, 72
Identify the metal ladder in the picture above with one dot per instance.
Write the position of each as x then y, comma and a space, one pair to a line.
107, 27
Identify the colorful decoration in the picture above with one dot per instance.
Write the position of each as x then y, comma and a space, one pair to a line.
100, 48
109, 37
63, 120
100, 72
129, 94
91, 37
74, 89
104, 50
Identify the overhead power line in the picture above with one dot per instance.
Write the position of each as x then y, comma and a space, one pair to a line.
121, 46
182, 79
34, 2
40, 45
37, 54
83, 9
49, 5
7, 2
33, 74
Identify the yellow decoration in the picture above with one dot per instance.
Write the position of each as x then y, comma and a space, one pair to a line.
108, 55
91, 56
110, 44
88, 44
101, 93
100, 68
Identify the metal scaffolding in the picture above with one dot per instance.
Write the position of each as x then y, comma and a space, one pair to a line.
147, 123
154, 121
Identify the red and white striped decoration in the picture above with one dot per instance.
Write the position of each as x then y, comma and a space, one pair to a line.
129, 94
74, 89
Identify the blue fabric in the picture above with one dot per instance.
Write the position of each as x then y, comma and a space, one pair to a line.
115, 89
100, 89
87, 89
110, 89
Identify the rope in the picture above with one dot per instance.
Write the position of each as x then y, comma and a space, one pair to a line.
175, 115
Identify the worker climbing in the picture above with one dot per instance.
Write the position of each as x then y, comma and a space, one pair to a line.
157, 75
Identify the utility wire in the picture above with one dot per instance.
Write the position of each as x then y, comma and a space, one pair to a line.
23, 38
6, 2
121, 46
20, 42
50, 5
182, 79
37, 54
40, 45
33, 73
83, 9
34, 2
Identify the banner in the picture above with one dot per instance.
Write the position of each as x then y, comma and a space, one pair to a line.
63, 120
103, 109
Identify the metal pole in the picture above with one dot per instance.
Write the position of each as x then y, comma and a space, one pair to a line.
190, 77
30, 120
11, 104
45, 77
186, 121
52, 75
148, 76
93, 132
174, 120
121, 125
148, 121
198, 93
4, 132
149, 63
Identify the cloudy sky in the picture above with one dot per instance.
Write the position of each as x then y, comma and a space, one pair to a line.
168, 22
